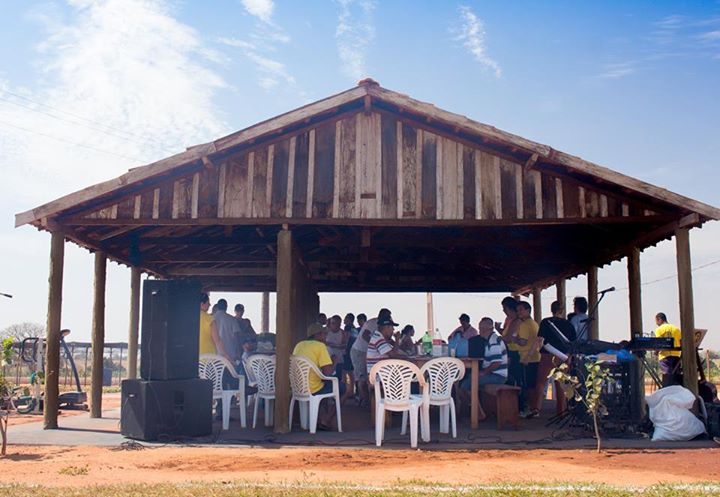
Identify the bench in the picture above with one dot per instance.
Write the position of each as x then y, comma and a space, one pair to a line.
502, 401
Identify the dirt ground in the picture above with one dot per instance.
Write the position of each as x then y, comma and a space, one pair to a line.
81, 466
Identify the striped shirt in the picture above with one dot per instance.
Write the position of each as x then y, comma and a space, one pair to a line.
495, 351
378, 349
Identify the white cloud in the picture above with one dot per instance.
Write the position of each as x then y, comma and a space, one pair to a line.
617, 70
710, 36
271, 71
262, 9
472, 36
122, 83
354, 33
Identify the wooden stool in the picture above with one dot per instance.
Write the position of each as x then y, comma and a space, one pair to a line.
502, 401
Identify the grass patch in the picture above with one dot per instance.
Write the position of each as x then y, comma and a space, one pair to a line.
74, 470
330, 490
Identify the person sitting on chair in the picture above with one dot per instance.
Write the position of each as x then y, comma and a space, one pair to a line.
315, 350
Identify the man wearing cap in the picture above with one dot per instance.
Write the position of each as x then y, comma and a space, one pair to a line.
315, 350
381, 345
465, 328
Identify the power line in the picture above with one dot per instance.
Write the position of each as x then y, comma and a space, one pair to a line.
89, 123
68, 142
665, 278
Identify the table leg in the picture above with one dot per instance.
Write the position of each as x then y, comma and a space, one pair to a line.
476, 411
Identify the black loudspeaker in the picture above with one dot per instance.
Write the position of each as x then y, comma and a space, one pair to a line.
170, 330
168, 408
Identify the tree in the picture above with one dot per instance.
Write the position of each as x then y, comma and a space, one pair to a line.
20, 331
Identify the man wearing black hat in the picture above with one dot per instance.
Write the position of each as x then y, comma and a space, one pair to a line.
381, 345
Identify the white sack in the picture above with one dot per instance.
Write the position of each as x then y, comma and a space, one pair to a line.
671, 415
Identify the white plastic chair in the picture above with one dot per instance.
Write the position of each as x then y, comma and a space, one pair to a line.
261, 367
309, 404
441, 374
211, 367
395, 377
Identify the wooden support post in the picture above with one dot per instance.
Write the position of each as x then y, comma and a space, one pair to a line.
592, 284
687, 310
98, 335
561, 295
265, 312
537, 304
54, 313
285, 321
134, 322
635, 297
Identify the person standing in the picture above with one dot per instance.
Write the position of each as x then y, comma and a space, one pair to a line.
358, 352
508, 331
529, 351
579, 319
209, 342
559, 333
669, 360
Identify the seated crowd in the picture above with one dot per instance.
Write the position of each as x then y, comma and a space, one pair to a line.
512, 351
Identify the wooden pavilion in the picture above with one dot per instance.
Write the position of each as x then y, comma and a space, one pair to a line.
368, 190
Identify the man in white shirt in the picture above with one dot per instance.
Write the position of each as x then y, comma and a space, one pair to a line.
580, 319
358, 353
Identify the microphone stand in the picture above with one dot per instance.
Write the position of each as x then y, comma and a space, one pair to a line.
592, 315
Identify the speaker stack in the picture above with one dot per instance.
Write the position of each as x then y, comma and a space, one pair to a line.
169, 400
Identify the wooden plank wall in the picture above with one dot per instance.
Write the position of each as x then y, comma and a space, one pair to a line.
369, 166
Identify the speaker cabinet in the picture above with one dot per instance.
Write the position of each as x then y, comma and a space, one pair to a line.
170, 328
166, 408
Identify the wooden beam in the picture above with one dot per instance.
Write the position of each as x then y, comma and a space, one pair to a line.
219, 271
635, 292
98, 335
592, 284
537, 304
54, 312
134, 322
285, 324
687, 310
265, 312
561, 295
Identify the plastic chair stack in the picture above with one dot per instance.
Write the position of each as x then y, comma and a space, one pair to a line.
261, 368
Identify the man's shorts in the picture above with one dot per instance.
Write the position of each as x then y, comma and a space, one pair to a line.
359, 362
328, 388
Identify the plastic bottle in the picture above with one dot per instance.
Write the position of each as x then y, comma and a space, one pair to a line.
427, 343
437, 343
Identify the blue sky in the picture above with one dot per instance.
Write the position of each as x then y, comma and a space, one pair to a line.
89, 89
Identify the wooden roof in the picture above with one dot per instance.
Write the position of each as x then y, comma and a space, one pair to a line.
383, 193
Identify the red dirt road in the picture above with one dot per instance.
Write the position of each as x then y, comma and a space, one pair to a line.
80, 466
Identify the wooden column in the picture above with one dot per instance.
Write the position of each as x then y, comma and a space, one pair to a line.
592, 283
635, 297
687, 310
265, 312
537, 304
134, 322
98, 335
561, 295
54, 313
285, 321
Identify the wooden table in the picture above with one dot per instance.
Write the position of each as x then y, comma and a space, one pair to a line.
473, 364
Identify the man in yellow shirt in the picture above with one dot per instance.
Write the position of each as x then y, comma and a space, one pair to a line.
315, 350
669, 360
529, 358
